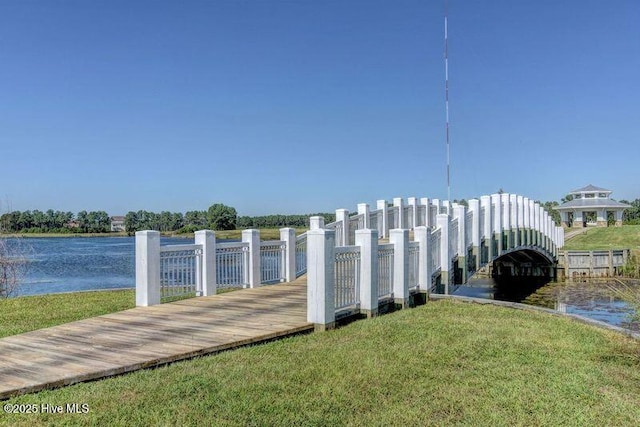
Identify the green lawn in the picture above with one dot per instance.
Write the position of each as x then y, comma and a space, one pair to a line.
444, 363
627, 236
18, 315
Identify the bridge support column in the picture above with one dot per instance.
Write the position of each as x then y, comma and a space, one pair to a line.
342, 215
487, 234
147, 268
320, 278
383, 218
316, 223
424, 201
399, 204
460, 212
288, 235
253, 238
363, 209
474, 207
423, 237
413, 212
443, 221
400, 239
506, 221
496, 200
207, 239
368, 242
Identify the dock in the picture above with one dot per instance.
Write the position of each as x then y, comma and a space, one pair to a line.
145, 337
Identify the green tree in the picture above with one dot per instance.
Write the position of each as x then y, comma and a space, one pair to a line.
221, 217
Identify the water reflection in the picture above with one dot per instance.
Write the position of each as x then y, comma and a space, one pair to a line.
595, 299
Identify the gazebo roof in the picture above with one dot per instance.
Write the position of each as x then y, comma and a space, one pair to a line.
591, 189
591, 203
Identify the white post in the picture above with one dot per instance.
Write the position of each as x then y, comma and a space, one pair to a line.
485, 202
496, 200
506, 219
520, 220
147, 268
446, 204
513, 221
443, 221
316, 223
527, 221
400, 240
413, 212
424, 201
461, 213
368, 241
383, 215
288, 235
423, 237
363, 209
207, 239
342, 215
438, 204
399, 204
253, 238
320, 278
536, 222
474, 207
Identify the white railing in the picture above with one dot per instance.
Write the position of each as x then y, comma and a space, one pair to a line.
435, 250
385, 269
395, 268
468, 229
301, 254
422, 215
414, 264
338, 227
392, 218
453, 238
407, 218
272, 261
232, 265
180, 271
347, 276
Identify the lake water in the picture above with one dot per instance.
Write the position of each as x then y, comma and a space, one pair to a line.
89, 263
68, 264
595, 299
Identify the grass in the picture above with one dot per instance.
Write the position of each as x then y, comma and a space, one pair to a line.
627, 236
445, 363
23, 314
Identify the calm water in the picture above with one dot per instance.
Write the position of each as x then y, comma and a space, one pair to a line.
594, 299
68, 264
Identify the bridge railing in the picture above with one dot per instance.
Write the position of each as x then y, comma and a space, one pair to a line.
460, 240
166, 273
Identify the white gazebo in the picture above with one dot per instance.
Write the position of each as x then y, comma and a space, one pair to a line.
591, 206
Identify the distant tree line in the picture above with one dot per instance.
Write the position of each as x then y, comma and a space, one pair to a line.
217, 217
55, 222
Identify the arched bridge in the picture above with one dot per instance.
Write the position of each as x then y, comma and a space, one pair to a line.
362, 260
415, 245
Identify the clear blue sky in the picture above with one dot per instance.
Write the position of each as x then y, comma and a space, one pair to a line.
305, 106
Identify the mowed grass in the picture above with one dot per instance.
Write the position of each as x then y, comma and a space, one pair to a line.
23, 314
444, 363
627, 236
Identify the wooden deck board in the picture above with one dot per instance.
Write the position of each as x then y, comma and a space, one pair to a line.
144, 337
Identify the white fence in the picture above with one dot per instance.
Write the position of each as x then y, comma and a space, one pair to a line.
166, 273
349, 270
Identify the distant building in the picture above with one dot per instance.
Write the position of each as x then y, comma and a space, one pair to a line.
591, 206
117, 223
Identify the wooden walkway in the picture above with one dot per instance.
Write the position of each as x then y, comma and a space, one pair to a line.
143, 337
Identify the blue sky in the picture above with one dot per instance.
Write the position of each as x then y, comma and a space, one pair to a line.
306, 106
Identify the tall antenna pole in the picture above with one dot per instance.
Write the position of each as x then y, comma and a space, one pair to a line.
446, 92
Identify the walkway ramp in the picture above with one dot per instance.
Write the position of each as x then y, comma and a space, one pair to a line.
144, 337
